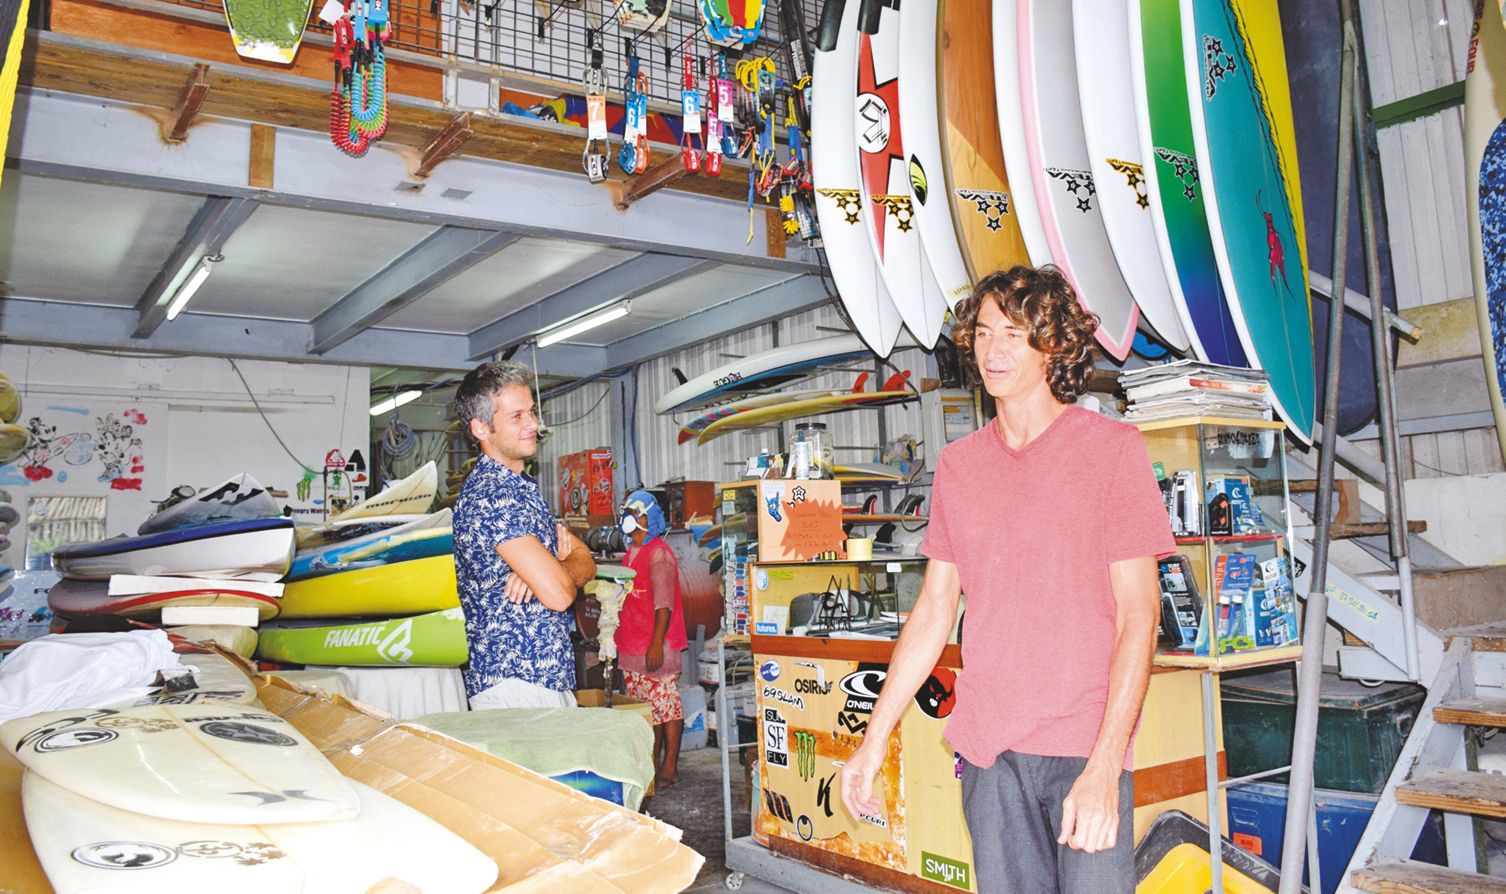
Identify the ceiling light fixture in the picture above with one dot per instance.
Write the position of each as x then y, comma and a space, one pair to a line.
590, 321
191, 286
395, 401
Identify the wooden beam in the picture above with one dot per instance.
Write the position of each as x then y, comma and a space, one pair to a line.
1413, 877
652, 180
773, 229
1472, 712
190, 101
263, 156
445, 144
1456, 791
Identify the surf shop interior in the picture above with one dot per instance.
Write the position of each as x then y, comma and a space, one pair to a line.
249, 248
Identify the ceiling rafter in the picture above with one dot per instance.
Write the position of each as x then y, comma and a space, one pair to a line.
212, 226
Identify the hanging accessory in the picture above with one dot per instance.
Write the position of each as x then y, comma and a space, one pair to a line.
633, 157
690, 117
594, 156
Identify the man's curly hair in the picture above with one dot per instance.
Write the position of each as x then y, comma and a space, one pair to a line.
1042, 302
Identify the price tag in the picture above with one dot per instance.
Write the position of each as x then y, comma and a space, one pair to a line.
331, 12
893, 567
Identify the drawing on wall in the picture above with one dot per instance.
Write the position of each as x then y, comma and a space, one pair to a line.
78, 441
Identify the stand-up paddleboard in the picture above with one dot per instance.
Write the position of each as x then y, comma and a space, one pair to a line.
1011, 124
74, 598
251, 549
1242, 125
840, 209
1485, 175
886, 183
920, 25
435, 639
799, 409
1173, 185
13, 441
764, 371
406, 496
238, 497
240, 640
1065, 190
10, 400
694, 427
399, 545
87, 846
211, 763
403, 588
1100, 32
983, 205
268, 30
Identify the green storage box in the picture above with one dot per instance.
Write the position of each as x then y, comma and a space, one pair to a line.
1361, 729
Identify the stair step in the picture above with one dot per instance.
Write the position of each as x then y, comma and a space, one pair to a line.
1360, 529
1472, 712
1412, 877
1456, 791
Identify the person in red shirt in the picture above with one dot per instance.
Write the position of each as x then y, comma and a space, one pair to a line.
1050, 520
651, 630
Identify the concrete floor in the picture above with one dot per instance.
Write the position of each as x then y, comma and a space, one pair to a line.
695, 807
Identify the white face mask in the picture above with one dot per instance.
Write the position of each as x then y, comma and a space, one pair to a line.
628, 524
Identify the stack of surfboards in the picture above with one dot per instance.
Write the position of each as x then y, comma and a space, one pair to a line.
375, 587
1144, 147
214, 558
217, 796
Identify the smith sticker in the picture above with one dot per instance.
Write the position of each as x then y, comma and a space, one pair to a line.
945, 870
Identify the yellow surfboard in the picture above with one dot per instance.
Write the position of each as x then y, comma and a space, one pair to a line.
401, 588
798, 409
10, 400
13, 440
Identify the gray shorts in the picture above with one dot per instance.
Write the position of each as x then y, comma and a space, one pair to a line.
1014, 813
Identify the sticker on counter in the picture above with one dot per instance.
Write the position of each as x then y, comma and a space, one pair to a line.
761, 580
938, 694
767, 628
776, 738
945, 870
769, 671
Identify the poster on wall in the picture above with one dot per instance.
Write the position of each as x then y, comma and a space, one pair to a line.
105, 445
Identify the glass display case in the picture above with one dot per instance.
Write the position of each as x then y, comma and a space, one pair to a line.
1227, 592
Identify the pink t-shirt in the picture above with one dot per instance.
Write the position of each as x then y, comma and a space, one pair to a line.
1032, 533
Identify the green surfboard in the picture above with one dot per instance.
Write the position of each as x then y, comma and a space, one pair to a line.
436, 639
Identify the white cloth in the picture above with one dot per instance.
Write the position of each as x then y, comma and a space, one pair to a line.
82, 670
514, 693
404, 692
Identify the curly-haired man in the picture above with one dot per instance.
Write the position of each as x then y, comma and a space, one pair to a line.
1050, 519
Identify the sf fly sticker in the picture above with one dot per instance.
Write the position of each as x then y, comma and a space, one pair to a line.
776, 738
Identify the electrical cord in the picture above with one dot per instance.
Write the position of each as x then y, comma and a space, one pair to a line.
257, 404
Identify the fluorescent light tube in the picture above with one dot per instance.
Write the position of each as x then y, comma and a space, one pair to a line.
591, 321
195, 280
395, 401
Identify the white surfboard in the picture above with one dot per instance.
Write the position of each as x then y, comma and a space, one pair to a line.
87, 846
1065, 191
240, 640
213, 679
407, 496
1012, 130
210, 763
1484, 116
886, 184
765, 371
919, 23
239, 496
839, 207
1101, 34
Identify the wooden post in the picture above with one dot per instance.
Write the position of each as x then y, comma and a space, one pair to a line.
445, 144
652, 180
263, 156
175, 128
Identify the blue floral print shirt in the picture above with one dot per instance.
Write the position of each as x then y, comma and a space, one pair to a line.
527, 641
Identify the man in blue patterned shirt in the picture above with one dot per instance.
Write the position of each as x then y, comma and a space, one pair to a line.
517, 568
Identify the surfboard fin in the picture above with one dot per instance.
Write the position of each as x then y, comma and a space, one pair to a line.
679, 376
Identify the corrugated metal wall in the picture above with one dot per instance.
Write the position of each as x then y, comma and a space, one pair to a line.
580, 419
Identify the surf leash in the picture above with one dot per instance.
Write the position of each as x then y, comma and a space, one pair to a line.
633, 157
713, 139
690, 117
594, 157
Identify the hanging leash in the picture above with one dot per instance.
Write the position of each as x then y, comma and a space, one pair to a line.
594, 156
690, 117
633, 158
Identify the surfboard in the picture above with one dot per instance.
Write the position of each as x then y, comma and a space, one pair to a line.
74, 598
1173, 184
85, 846
982, 202
268, 30
920, 25
417, 540
764, 371
9, 515
237, 497
13, 441
840, 211
214, 679
406, 496
818, 406
435, 639
1065, 190
210, 763
10, 400
1485, 175
402, 588
1100, 34
886, 183
313, 537
856, 472
249, 549
694, 427
1011, 125
1241, 126
240, 640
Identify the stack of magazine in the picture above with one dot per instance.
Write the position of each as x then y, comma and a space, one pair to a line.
1190, 388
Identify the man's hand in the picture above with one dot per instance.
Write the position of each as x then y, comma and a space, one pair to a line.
564, 543
857, 779
516, 590
1090, 813
654, 656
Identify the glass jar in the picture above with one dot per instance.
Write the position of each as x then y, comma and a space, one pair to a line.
819, 449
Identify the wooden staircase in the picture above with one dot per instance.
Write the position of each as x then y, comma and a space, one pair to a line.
1435, 771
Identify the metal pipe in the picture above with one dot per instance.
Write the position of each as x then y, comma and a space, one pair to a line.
1385, 382
1315, 621
1359, 304
722, 716
1210, 781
